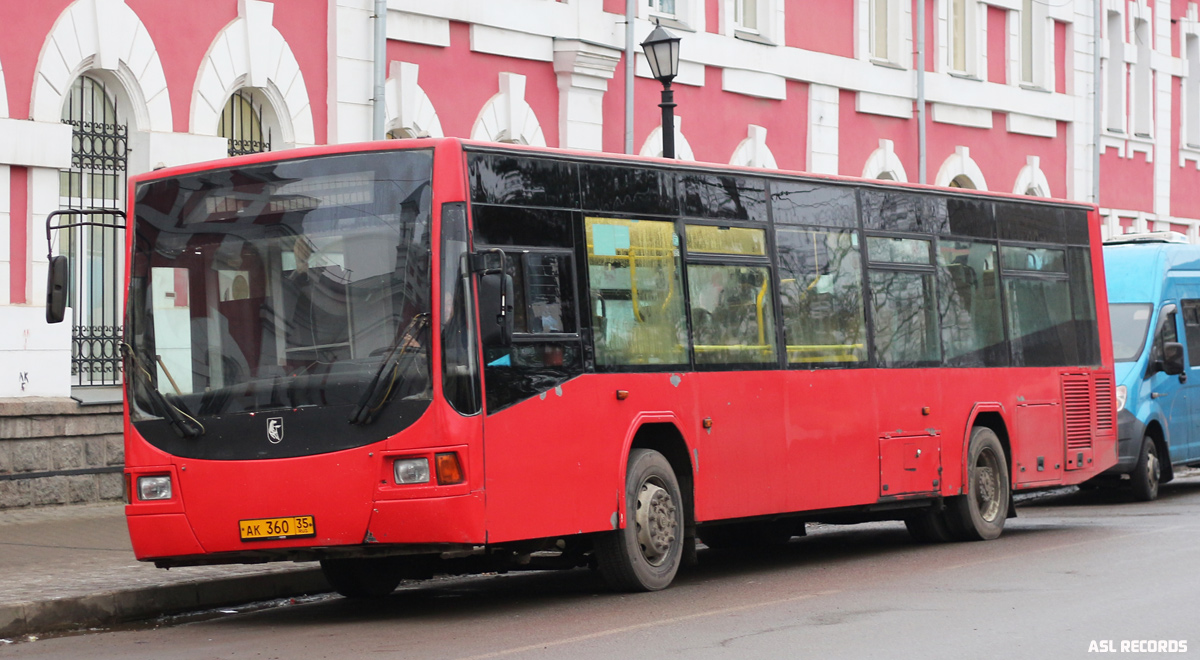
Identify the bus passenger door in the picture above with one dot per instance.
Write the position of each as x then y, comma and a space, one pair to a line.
1170, 391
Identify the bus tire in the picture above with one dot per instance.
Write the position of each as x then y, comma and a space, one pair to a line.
363, 578
1148, 473
929, 526
646, 553
979, 514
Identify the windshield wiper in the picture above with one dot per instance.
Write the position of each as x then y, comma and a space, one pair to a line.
398, 355
184, 425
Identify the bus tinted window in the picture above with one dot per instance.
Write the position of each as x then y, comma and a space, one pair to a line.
1076, 226
499, 179
732, 317
1039, 321
972, 325
902, 309
1083, 306
898, 250
1046, 260
798, 203
636, 290
513, 225
970, 217
628, 190
894, 210
820, 285
729, 197
1030, 223
706, 239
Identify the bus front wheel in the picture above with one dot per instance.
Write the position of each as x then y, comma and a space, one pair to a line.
363, 578
979, 514
646, 553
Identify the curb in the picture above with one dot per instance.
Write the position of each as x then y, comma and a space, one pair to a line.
123, 606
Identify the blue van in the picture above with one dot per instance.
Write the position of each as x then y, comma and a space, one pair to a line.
1154, 303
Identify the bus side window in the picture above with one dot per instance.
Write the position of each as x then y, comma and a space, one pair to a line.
903, 306
820, 286
635, 292
972, 325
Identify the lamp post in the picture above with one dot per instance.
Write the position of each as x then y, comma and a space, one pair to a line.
662, 53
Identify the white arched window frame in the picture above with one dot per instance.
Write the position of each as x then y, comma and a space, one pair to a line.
653, 144
250, 52
884, 164
410, 114
506, 117
1031, 180
960, 170
752, 151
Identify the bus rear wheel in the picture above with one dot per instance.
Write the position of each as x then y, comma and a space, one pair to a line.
979, 514
646, 553
1148, 473
363, 578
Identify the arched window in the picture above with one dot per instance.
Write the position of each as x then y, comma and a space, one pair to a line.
93, 243
241, 123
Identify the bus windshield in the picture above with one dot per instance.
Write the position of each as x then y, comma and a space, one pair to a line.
1130, 322
279, 286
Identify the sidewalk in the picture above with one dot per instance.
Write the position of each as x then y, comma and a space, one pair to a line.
73, 567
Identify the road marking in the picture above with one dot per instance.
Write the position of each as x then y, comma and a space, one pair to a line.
649, 624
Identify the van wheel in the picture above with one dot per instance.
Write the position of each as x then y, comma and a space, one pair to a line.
979, 514
645, 554
1148, 473
363, 578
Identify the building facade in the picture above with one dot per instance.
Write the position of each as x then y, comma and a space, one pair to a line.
1094, 100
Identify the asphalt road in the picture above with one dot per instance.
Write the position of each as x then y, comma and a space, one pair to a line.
1074, 571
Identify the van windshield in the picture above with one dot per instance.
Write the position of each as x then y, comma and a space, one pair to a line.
1130, 323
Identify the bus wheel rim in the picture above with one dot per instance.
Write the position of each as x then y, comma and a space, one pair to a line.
987, 486
656, 522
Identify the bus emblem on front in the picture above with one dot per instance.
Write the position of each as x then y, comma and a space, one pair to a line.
275, 430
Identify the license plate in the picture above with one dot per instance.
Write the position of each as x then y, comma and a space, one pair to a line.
274, 529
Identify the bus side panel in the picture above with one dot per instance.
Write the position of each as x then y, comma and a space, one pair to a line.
832, 447
743, 456
555, 462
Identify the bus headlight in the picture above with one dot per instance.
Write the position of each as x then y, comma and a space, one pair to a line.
154, 488
1122, 392
411, 470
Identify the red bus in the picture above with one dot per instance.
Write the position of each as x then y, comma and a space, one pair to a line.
428, 356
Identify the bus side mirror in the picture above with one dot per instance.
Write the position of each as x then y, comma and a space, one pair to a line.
496, 309
56, 289
1172, 358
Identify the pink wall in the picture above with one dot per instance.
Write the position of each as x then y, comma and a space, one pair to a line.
820, 25
25, 28
18, 235
997, 38
1060, 57
859, 135
1126, 183
1185, 181
460, 82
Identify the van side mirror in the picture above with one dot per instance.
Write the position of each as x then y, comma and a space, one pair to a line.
56, 289
1172, 358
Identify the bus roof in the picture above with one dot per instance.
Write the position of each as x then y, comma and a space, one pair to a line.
570, 154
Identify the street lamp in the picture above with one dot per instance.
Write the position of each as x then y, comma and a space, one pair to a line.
662, 53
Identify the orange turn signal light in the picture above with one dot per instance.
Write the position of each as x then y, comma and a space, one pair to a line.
449, 470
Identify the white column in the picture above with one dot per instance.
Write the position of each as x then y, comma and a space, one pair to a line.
583, 70
822, 129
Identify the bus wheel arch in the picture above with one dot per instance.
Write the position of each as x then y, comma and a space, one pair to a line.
979, 513
646, 553
993, 419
